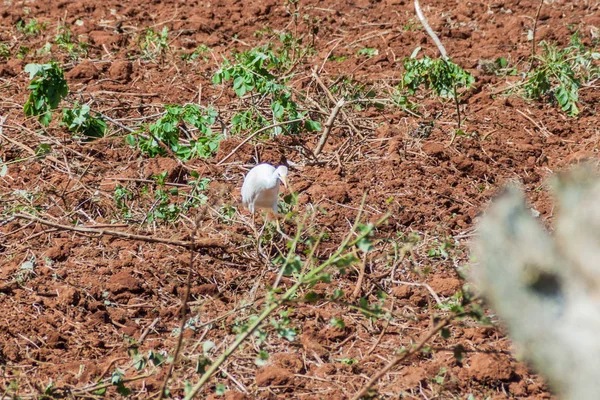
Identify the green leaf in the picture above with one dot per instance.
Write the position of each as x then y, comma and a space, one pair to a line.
220, 389
312, 126
365, 245
208, 346
33, 69
122, 390
445, 332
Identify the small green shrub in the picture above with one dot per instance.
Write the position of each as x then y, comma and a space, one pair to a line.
559, 73
79, 120
65, 41
154, 45
31, 28
48, 87
441, 75
254, 72
177, 122
4, 51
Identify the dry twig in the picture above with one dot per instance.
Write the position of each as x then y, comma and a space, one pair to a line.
430, 31
186, 297
199, 243
533, 44
328, 125
438, 327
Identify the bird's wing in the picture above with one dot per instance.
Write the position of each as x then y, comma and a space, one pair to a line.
258, 180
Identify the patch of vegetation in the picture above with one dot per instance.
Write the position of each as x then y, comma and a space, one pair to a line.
307, 273
177, 122
23, 52
4, 51
167, 205
48, 87
441, 75
337, 58
368, 52
122, 197
65, 41
154, 45
32, 27
44, 50
201, 51
351, 90
79, 120
558, 74
498, 66
254, 72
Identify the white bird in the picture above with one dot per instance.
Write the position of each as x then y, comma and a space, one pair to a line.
261, 187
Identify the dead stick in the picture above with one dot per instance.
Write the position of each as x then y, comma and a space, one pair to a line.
537, 16
151, 239
387, 323
430, 31
334, 101
438, 327
361, 277
254, 134
328, 125
186, 297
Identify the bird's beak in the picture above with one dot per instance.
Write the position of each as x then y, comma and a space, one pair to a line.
283, 180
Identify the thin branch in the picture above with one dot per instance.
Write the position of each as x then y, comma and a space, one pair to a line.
430, 31
186, 297
317, 78
533, 44
200, 243
328, 125
438, 327
361, 277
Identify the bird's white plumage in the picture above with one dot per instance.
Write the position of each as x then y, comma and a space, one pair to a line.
261, 186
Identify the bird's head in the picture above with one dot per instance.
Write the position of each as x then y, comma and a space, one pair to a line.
282, 172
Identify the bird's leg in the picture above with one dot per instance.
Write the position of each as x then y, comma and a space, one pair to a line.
257, 236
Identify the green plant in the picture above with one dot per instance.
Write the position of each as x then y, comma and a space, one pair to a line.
497, 66
356, 92
163, 208
65, 41
4, 51
27, 271
23, 52
44, 50
227, 213
195, 198
559, 73
79, 120
31, 28
368, 52
200, 51
154, 45
178, 121
48, 87
166, 206
440, 74
121, 196
337, 58
117, 379
254, 72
